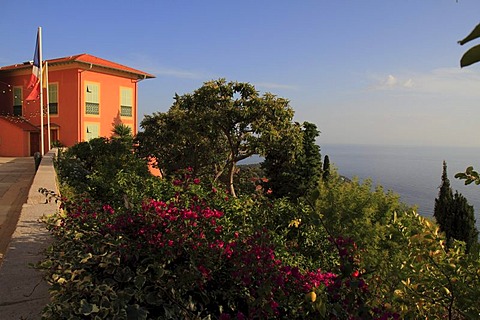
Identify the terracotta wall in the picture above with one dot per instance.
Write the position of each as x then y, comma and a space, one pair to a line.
109, 102
14, 142
68, 100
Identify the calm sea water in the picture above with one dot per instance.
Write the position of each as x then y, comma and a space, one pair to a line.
412, 172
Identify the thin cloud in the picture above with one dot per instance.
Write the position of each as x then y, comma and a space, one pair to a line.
409, 83
177, 73
454, 81
392, 82
147, 64
272, 85
441, 81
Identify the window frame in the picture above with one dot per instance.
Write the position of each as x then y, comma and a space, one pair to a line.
92, 101
17, 98
53, 105
91, 124
126, 102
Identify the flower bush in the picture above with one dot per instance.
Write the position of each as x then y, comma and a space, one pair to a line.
182, 258
132, 246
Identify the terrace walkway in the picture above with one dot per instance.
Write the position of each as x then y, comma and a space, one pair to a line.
23, 293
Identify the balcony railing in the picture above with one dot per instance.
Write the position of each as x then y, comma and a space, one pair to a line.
92, 108
126, 111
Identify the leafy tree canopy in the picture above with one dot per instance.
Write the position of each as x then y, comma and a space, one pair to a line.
216, 126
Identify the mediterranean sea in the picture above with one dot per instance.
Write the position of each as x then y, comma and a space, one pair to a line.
412, 172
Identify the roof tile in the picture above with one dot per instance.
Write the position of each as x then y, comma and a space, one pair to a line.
87, 59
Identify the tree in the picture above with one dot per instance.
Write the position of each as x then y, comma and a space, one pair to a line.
454, 215
123, 134
309, 163
463, 226
216, 126
121, 131
444, 202
176, 140
326, 168
294, 172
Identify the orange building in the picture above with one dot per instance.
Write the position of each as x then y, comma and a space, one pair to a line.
87, 95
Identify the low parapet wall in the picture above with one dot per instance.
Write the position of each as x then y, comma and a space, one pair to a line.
23, 292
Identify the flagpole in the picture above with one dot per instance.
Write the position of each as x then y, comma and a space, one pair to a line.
42, 138
48, 106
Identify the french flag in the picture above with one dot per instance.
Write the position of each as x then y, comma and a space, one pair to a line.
34, 83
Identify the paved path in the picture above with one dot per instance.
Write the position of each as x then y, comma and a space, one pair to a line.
16, 176
23, 292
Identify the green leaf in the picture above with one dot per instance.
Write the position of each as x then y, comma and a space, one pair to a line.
154, 299
87, 308
123, 274
460, 175
105, 303
447, 291
314, 196
473, 35
471, 56
135, 312
140, 281
86, 257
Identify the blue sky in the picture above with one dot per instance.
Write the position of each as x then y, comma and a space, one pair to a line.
365, 72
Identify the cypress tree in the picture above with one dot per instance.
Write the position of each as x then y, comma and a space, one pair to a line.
463, 222
309, 164
444, 202
298, 176
326, 168
455, 215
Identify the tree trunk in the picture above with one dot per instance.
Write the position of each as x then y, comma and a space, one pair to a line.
231, 173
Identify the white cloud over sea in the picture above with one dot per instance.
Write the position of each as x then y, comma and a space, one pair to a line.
441, 81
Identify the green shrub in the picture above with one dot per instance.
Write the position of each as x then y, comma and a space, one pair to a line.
182, 258
132, 246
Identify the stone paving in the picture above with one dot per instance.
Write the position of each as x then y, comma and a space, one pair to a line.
16, 176
23, 292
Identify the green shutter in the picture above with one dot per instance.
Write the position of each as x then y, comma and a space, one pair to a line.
126, 103
92, 131
17, 101
53, 98
17, 96
92, 101
53, 93
92, 93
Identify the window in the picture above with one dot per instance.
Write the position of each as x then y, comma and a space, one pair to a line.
92, 101
91, 131
126, 102
17, 101
53, 98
